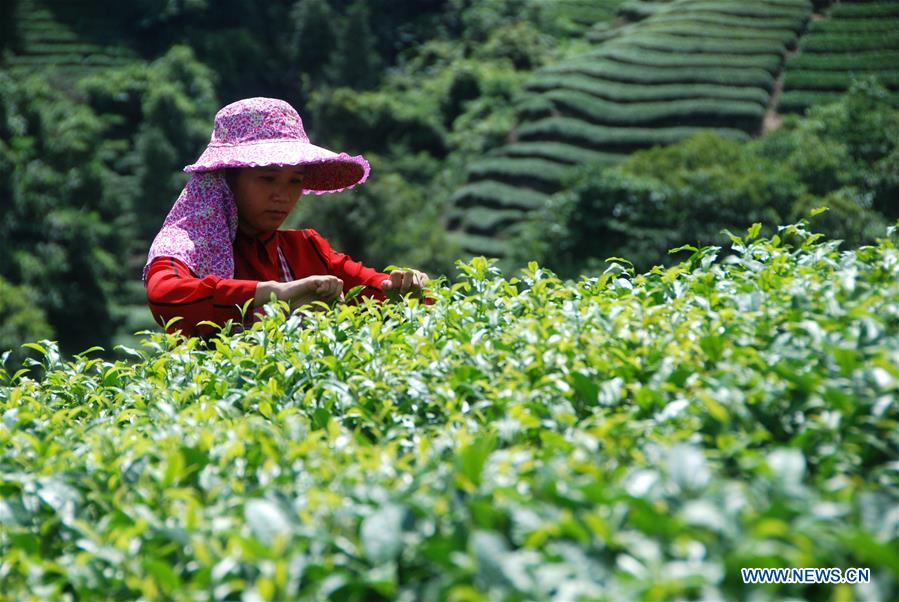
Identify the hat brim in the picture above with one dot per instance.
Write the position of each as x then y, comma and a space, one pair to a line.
328, 171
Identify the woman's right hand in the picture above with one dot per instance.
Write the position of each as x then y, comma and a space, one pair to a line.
311, 288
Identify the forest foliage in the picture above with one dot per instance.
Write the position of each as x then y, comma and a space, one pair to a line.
91, 158
843, 155
90, 161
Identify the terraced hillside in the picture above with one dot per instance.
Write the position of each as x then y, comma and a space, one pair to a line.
857, 38
684, 66
577, 16
71, 35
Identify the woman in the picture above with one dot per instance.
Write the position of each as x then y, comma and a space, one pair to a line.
220, 245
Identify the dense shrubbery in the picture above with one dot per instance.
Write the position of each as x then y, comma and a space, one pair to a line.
23, 320
843, 156
621, 437
90, 176
90, 161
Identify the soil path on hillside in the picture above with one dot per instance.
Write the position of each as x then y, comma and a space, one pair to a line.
773, 119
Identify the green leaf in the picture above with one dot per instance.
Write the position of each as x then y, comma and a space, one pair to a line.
59, 495
248, 305
585, 387
13, 513
381, 534
163, 573
736, 240
320, 418
87, 351
753, 231
682, 248
172, 321
266, 519
712, 345
353, 292
687, 467
619, 260
471, 459
174, 468
37, 347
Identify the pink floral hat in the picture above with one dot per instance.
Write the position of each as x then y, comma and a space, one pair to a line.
255, 132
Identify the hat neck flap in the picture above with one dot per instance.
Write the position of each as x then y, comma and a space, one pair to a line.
200, 228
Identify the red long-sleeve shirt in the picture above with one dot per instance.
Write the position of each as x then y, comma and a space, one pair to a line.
280, 255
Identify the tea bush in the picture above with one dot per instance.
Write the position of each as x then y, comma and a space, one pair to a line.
854, 41
624, 436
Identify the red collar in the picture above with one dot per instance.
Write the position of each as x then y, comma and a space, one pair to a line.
265, 237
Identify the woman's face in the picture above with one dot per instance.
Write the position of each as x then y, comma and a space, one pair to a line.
265, 196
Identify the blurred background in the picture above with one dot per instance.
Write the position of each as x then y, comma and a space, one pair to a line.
563, 132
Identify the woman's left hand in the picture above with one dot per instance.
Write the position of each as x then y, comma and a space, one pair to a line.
402, 282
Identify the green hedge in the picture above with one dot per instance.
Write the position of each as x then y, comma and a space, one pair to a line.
623, 139
540, 170
482, 220
826, 80
797, 101
865, 10
638, 10
477, 244
721, 20
700, 112
105, 60
667, 58
585, 14
73, 48
621, 92
623, 436
794, 3
758, 10
728, 33
496, 195
693, 45
876, 60
888, 40
49, 34
556, 151
852, 26
611, 71
45, 60
532, 104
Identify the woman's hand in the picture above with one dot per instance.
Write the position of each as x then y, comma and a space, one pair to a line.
301, 292
402, 282
312, 288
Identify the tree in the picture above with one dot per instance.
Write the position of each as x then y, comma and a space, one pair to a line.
355, 62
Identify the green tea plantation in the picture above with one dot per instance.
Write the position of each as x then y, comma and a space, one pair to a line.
623, 437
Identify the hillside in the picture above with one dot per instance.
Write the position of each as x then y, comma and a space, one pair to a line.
854, 39
665, 72
76, 38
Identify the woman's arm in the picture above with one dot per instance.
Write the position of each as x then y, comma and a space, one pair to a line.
172, 290
351, 272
